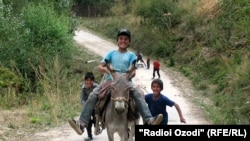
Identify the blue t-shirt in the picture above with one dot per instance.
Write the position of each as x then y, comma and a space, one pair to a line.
159, 106
120, 61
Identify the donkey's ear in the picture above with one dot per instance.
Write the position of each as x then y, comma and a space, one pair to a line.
109, 66
131, 71
130, 75
132, 67
106, 61
134, 63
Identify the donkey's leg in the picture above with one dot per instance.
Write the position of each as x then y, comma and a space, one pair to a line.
96, 124
131, 133
132, 129
123, 135
110, 135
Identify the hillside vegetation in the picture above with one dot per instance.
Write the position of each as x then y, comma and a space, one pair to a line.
41, 66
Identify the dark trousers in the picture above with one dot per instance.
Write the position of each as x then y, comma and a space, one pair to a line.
157, 71
148, 65
89, 127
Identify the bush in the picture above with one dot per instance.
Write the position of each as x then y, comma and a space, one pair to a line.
160, 13
33, 38
9, 79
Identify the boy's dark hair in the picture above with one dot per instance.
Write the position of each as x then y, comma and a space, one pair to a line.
158, 81
89, 75
124, 32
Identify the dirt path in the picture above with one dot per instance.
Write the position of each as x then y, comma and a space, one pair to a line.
176, 87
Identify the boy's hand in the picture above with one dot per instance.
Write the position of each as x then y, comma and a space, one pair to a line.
183, 120
106, 70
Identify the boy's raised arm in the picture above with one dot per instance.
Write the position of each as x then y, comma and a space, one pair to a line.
177, 107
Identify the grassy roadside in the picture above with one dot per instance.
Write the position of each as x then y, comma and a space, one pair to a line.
52, 108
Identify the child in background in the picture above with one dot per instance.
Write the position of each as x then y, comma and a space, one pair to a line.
87, 88
156, 65
158, 103
148, 62
139, 58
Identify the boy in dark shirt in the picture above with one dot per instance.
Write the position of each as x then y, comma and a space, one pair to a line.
157, 102
87, 88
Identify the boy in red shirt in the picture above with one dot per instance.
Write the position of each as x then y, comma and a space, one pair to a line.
156, 68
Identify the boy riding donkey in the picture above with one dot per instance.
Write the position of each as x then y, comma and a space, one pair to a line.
120, 59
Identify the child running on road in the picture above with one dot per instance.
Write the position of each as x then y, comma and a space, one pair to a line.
120, 59
158, 103
148, 62
139, 58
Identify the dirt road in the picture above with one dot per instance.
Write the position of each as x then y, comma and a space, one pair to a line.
176, 87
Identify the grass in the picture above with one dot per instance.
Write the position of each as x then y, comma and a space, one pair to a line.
58, 100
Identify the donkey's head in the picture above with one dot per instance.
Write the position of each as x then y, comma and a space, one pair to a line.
120, 88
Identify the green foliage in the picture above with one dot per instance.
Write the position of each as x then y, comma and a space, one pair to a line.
58, 98
9, 99
171, 62
228, 36
238, 81
36, 120
16, 5
34, 38
93, 2
160, 13
11, 35
233, 22
163, 49
9, 78
46, 28
185, 70
39, 41
11, 126
60, 5
46, 106
227, 39
94, 8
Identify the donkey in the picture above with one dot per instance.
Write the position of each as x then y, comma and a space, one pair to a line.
120, 115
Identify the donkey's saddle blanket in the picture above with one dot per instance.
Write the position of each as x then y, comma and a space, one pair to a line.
103, 99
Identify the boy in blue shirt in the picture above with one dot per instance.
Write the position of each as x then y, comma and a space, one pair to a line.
120, 59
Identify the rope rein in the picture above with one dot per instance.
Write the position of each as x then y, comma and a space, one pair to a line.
119, 99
